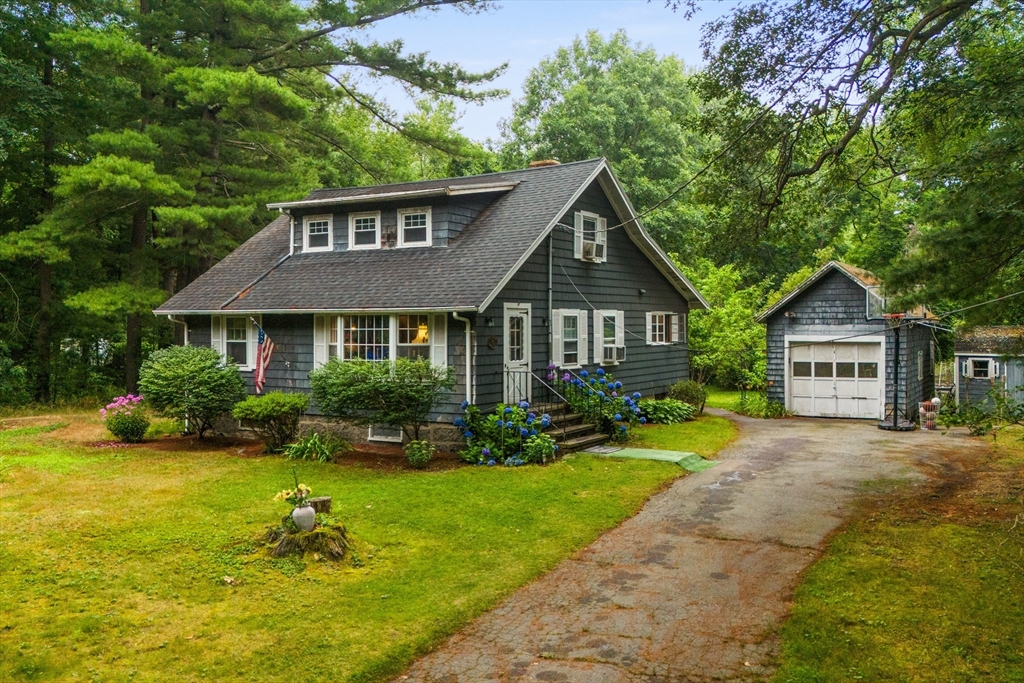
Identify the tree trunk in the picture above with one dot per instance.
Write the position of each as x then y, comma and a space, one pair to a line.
42, 379
133, 333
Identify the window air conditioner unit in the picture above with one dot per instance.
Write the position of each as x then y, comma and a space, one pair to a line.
590, 251
614, 354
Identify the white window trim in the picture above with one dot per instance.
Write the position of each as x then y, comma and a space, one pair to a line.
371, 435
671, 328
219, 337
401, 228
438, 332
558, 343
352, 230
620, 336
600, 236
993, 367
873, 291
306, 220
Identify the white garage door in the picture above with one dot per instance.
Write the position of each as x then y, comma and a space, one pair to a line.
835, 379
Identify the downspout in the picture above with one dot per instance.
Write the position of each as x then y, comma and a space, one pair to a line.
551, 310
183, 324
291, 232
470, 352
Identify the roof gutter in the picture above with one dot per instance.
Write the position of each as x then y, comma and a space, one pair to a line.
451, 190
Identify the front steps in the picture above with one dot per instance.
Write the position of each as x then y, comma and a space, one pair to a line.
569, 430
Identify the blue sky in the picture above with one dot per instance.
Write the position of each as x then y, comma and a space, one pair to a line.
523, 32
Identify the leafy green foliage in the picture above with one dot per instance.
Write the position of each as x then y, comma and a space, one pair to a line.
998, 411
419, 453
753, 404
666, 411
273, 416
611, 98
401, 393
539, 449
691, 392
313, 446
193, 384
13, 382
601, 399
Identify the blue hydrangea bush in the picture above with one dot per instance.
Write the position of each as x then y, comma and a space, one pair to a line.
512, 435
601, 399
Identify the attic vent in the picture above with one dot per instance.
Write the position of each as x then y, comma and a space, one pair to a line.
544, 162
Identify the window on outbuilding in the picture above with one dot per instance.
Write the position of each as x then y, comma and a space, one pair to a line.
875, 303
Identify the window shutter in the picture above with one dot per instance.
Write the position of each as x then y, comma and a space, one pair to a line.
964, 369
439, 341
620, 329
650, 325
217, 334
319, 340
674, 329
583, 337
557, 356
598, 335
995, 369
602, 237
577, 241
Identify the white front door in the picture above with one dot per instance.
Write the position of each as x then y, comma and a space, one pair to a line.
835, 379
517, 353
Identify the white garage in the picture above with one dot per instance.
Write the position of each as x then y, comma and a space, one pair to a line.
835, 378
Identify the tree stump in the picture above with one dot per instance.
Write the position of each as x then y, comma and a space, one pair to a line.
322, 504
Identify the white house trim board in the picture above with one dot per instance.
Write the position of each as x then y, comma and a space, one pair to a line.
402, 213
306, 220
352, 230
793, 339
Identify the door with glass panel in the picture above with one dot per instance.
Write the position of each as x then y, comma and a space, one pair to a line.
517, 353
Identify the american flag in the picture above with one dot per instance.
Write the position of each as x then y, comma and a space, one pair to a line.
264, 350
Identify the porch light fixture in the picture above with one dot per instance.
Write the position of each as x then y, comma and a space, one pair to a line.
789, 314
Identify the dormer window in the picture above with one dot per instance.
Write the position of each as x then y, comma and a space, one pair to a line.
591, 238
414, 227
318, 233
364, 230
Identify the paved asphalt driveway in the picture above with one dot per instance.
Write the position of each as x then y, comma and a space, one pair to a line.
691, 588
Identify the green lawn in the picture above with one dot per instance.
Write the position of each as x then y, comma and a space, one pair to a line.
722, 398
920, 591
113, 560
704, 436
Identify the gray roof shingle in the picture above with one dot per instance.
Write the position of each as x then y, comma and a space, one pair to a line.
460, 276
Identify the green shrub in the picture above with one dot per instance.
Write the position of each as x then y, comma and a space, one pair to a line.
758, 405
13, 382
401, 393
193, 384
125, 418
693, 393
666, 411
316, 447
538, 449
419, 453
274, 417
601, 399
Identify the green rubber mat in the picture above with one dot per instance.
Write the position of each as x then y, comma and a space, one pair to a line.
688, 461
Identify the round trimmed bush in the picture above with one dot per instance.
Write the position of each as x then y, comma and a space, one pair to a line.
274, 417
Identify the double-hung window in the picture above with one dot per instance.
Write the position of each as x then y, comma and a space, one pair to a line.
662, 328
591, 237
609, 337
234, 337
379, 337
414, 226
364, 230
317, 233
569, 337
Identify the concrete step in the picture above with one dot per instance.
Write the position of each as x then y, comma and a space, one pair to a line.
581, 442
570, 431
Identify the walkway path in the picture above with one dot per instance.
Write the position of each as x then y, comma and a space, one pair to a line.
692, 587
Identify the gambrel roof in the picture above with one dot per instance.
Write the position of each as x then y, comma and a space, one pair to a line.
466, 275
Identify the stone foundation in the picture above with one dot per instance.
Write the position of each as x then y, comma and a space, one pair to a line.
443, 435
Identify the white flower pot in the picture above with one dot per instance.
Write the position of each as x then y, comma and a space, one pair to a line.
304, 517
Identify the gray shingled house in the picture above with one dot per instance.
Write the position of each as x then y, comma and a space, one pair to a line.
495, 275
987, 358
831, 353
